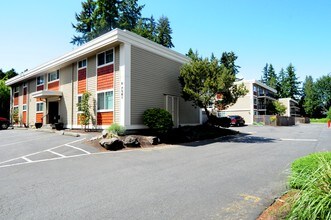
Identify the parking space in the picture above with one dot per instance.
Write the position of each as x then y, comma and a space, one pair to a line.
26, 146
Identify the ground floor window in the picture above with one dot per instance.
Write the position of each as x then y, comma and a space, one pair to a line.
40, 107
105, 100
24, 107
79, 100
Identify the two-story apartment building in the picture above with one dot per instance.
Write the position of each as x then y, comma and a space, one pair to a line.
292, 107
255, 102
125, 74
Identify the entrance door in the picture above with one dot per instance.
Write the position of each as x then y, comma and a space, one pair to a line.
53, 112
172, 103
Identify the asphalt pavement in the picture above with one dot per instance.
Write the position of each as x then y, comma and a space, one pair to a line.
226, 178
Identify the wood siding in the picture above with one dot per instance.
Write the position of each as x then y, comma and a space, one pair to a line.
81, 81
24, 117
105, 118
152, 76
40, 87
16, 97
105, 77
54, 86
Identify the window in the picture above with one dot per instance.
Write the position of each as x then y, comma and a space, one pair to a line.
82, 64
53, 76
16, 88
105, 100
40, 107
40, 80
105, 57
79, 101
25, 85
24, 107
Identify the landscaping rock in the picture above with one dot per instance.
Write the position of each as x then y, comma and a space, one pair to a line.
153, 140
131, 141
104, 133
112, 144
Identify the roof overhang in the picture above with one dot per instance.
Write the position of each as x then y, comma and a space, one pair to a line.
44, 94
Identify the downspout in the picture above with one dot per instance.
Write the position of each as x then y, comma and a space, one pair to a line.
72, 95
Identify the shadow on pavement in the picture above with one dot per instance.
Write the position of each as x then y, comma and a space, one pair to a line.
240, 138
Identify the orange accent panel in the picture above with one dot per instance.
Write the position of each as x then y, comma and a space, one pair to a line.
39, 117
15, 98
25, 92
41, 87
105, 118
24, 117
54, 86
81, 81
105, 77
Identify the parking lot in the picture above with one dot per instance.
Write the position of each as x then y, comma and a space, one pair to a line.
18, 147
50, 176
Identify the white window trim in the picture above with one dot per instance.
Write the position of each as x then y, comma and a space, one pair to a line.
84, 67
48, 82
42, 111
25, 85
37, 81
23, 107
104, 91
106, 64
16, 89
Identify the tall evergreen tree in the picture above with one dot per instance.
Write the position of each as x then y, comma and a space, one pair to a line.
228, 60
85, 23
264, 77
292, 82
130, 13
282, 85
146, 27
106, 16
164, 32
323, 89
272, 77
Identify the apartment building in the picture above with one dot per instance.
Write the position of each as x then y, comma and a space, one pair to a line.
292, 107
255, 102
125, 74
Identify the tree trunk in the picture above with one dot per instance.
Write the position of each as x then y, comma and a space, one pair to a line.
207, 112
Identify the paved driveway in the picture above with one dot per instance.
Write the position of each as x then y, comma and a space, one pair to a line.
231, 178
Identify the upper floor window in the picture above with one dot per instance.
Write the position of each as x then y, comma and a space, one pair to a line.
106, 57
82, 64
53, 76
40, 80
16, 89
25, 85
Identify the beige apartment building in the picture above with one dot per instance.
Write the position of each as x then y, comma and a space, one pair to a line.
255, 102
126, 74
292, 107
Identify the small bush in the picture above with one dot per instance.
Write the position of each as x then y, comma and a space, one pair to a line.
158, 120
273, 118
303, 167
314, 199
116, 129
222, 121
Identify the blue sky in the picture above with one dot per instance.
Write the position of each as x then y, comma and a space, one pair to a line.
258, 31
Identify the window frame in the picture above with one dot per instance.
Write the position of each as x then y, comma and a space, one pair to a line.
39, 111
82, 67
105, 63
41, 83
16, 89
97, 101
26, 107
57, 72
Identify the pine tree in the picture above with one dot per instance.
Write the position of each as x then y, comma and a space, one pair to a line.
85, 23
146, 27
228, 60
106, 16
129, 15
311, 102
192, 55
272, 78
264, 77
282, 86
292, 82
164, 32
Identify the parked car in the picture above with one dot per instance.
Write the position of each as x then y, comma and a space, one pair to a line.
237, 120
4, 123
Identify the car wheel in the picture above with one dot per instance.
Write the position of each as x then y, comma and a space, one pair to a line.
4, 126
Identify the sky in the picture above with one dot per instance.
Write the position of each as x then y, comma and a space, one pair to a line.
278, 32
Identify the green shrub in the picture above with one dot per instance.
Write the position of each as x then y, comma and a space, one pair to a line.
158, 120
319, 120
304, 166
314, 199
116, 129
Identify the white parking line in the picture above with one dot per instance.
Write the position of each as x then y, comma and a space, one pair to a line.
28, 160
292, 139
77, 148
58, 154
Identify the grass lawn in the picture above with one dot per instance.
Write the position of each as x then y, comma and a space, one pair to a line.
318, 120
